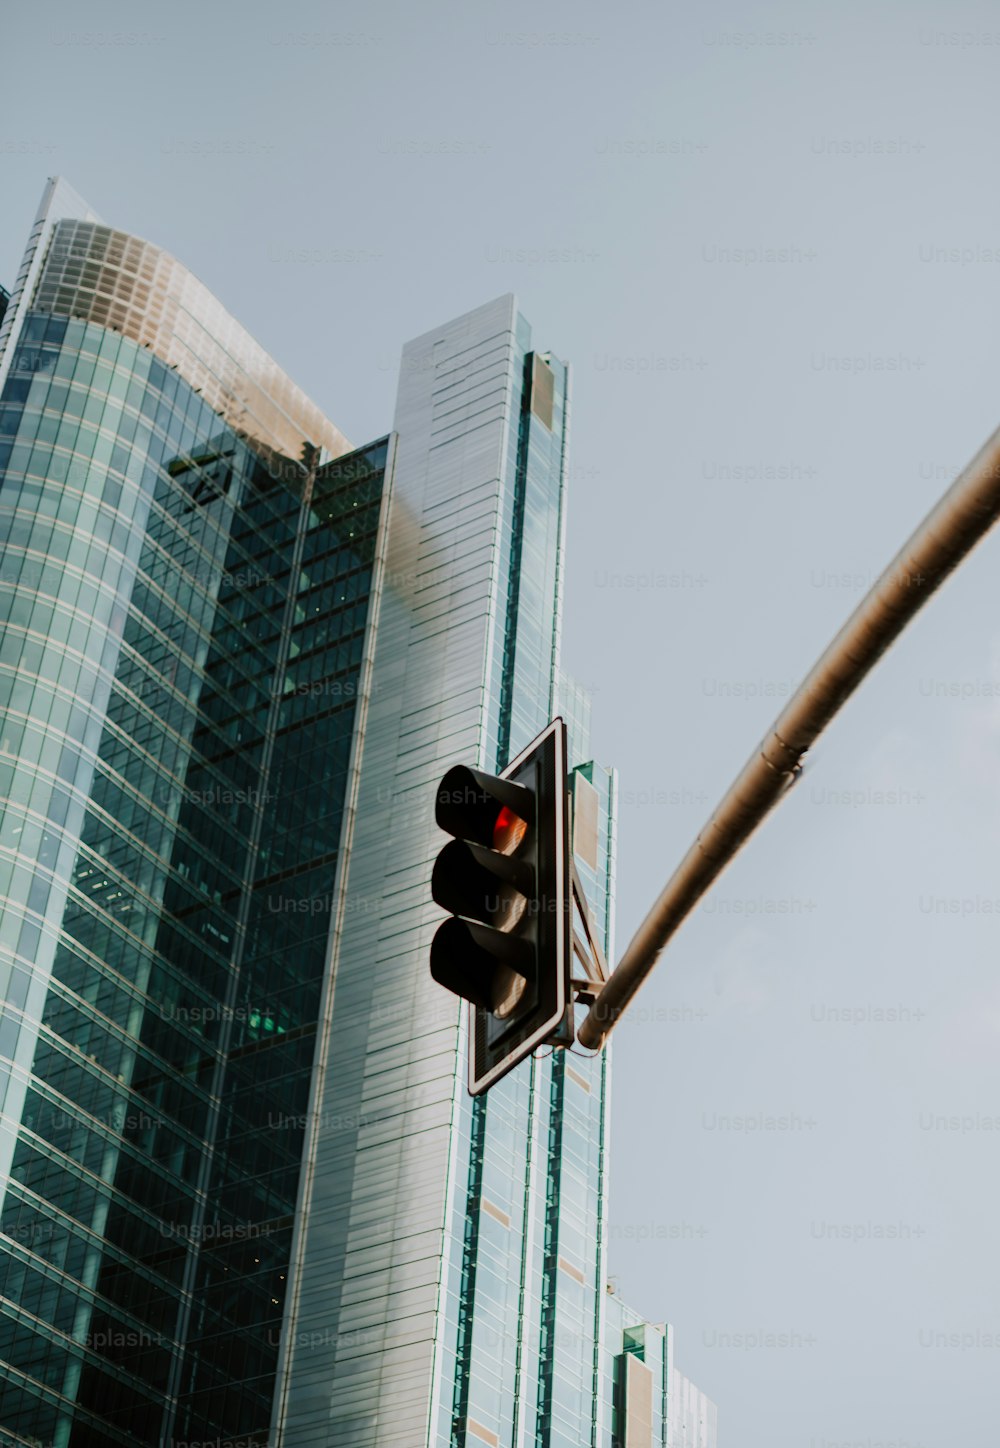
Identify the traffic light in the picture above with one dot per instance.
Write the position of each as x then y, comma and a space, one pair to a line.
506, 878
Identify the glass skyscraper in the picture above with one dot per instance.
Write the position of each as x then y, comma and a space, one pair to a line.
246, 1198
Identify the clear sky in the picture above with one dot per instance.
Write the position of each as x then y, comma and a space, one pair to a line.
767, 236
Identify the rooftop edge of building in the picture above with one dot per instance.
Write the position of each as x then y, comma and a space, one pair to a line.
77, 266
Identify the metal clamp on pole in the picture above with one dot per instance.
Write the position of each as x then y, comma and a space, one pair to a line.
943, 540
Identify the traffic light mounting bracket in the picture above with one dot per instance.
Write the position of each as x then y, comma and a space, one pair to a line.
586, 947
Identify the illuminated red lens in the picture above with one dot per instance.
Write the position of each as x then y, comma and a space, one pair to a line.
509, 830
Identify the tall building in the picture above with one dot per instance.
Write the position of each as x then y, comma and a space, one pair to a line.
449, 1269
246, 1197
189, 549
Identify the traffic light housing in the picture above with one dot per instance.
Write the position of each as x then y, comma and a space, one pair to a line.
505, 876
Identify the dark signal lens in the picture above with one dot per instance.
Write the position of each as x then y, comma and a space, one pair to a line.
509, 830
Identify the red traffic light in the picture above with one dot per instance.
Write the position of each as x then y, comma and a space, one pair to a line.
509, 829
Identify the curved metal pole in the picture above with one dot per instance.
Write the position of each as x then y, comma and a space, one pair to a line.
946, 536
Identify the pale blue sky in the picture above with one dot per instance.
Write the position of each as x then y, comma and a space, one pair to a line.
767, 236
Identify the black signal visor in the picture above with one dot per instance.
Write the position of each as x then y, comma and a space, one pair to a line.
478, 963
467, 880
483, 809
